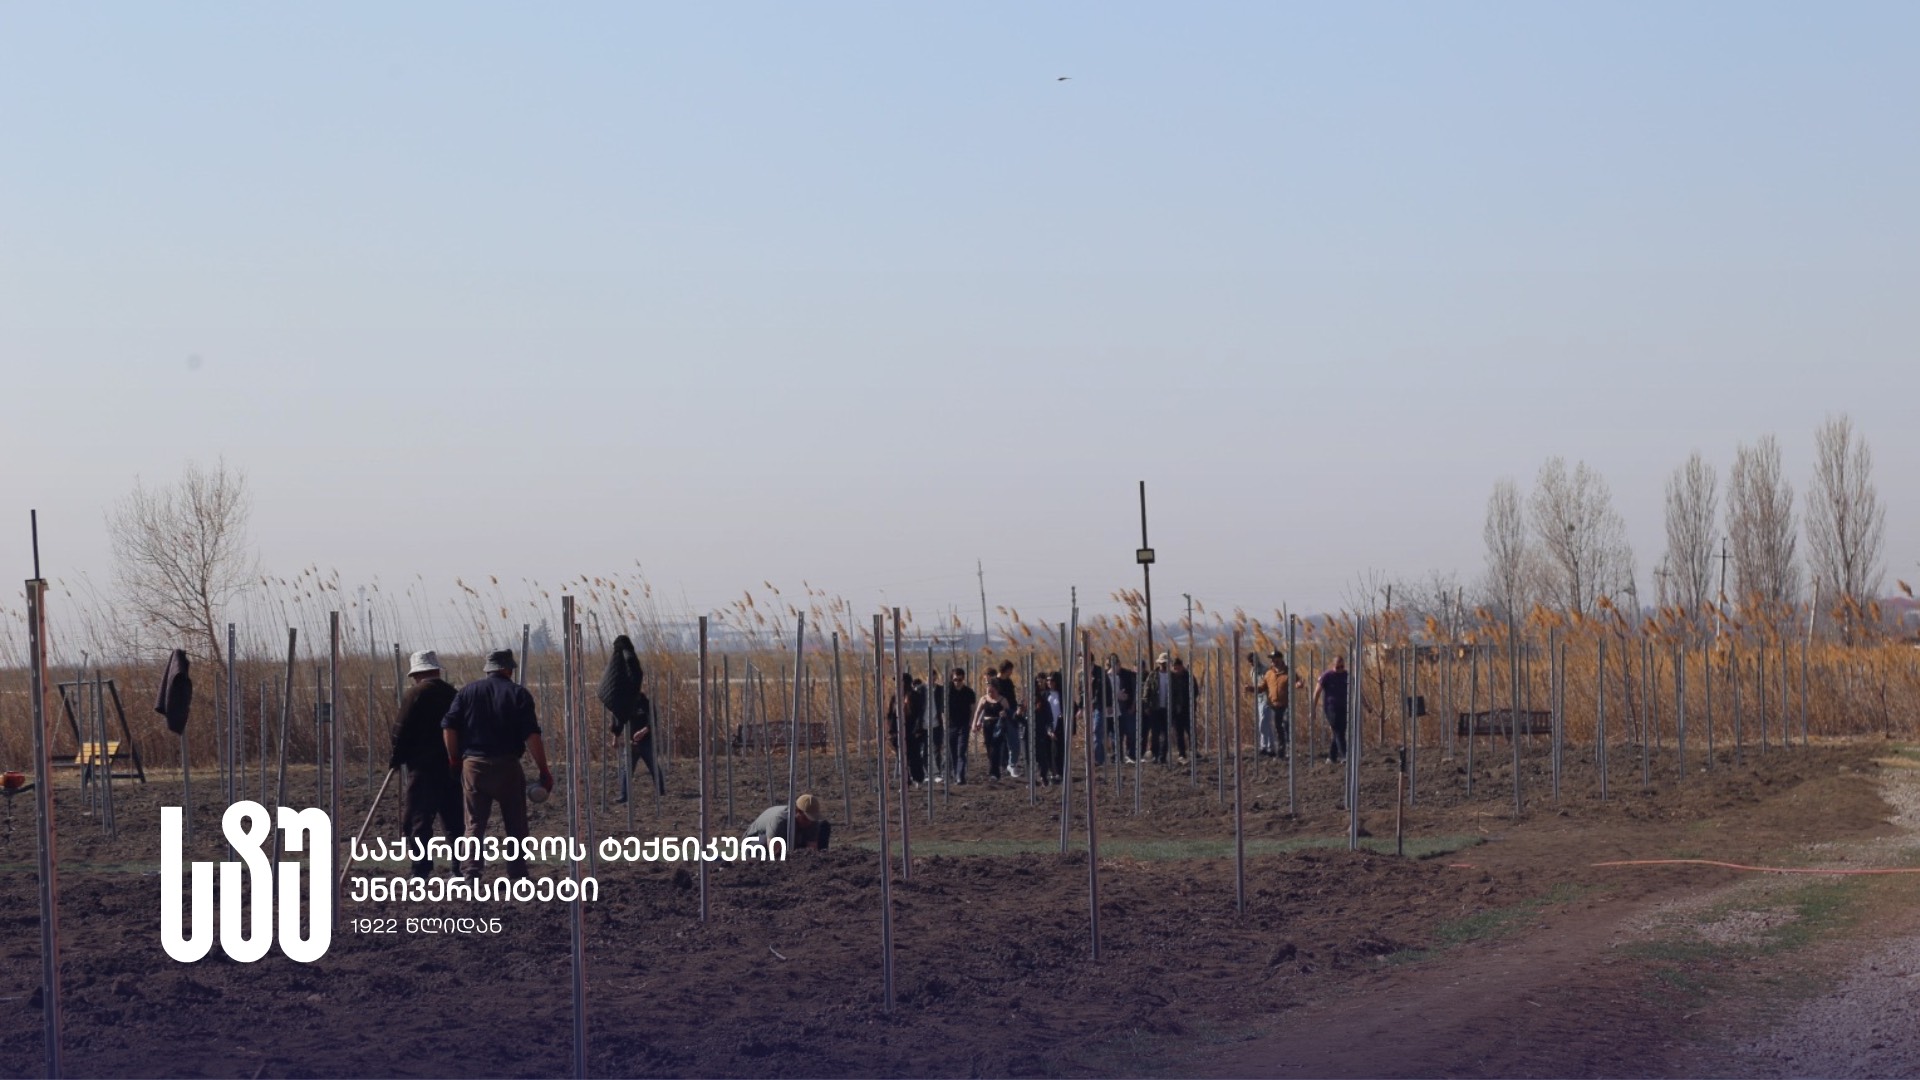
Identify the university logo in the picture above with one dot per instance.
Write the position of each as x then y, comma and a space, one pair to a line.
247, 827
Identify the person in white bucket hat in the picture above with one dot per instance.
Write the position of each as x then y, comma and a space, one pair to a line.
432, 791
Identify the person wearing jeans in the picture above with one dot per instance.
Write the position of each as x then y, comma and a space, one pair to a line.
1331, 693
957, 701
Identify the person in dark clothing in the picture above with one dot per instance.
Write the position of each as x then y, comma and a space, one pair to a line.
1182, 691
957, 701
990, 719
916, 726
1154, 711
1047, 728
1123, 684
1100, 734
1014, 729
490, 724
621, 693
1331, 693
432, 792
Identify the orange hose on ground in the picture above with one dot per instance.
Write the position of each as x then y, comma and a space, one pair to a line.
1756, 869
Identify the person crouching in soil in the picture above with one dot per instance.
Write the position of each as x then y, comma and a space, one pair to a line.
810, 825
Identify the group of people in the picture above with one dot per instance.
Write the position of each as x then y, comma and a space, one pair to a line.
462, 748
1272, 686
462, 751
1141, 719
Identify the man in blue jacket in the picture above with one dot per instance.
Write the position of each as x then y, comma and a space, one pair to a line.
490, 724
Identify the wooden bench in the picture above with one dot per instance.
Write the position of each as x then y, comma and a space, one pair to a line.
90, 754
1501, 722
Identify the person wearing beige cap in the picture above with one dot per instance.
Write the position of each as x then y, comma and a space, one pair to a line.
432, 791
804, 826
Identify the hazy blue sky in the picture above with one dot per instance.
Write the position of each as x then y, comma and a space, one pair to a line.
857, 294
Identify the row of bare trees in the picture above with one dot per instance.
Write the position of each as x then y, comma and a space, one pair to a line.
1565, 547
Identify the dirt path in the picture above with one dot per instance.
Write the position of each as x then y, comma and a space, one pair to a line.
1554, 1000
1708, 974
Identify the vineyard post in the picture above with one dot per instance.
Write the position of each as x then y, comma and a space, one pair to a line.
726, 728
1222, 696
1600, 715
1706, 679
1291, 718
793, 727
1733, 680
1356, 730
1473, 708
1093, 826
840, 728
1513, 708
1069, 674
1680, 709
1553, 706
904, 740
286, 718
43, 816
1239, 813
886, 857
705, 731
1651, 729
336, 744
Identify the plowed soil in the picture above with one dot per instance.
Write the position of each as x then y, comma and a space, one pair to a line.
1485, 950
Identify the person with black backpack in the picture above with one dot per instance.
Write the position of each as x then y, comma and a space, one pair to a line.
631, 712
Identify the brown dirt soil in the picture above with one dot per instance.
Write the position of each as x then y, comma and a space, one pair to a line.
1491, 958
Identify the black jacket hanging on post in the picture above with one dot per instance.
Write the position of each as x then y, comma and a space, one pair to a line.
176, 693
619, 688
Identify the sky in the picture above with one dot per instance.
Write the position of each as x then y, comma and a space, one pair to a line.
867, 295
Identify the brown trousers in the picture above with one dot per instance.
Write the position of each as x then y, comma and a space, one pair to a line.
484, 781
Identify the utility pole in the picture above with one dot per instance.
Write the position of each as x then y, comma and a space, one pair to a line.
1722, 606
986, 635
1144, 557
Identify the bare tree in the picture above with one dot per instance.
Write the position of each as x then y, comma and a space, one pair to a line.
1582, 539
1760, 527
1845, 522
181, 554
1429, 600
1508, 555
1693, 504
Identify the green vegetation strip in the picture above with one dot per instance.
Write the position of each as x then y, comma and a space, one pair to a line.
1489, 924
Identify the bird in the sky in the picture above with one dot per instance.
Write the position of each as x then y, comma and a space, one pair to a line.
1063, 78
